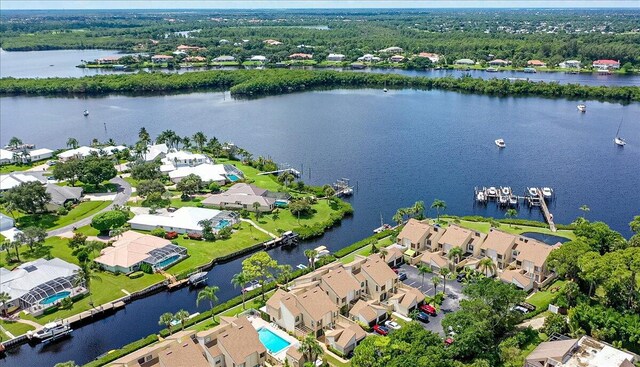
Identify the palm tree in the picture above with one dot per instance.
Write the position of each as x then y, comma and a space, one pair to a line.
424, 270
511, 213
585, 209
200, 139
16, 244
487, 266
209, 294
439, 205
143, 135
286, 178
166, 319
328, 192
182, 316
418, 209
311, 255
399, 216
186, 142
444, 272
15, 142
455, 254
239, 280
116, 232
383, 252
72, 143
310, 348
256, 208
4, 298
83, 278
436, 282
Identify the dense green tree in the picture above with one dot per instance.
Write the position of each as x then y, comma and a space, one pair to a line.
555, 324
147, 187
600, 237
95, 170
109, 220
190, 185
29, 197
68, 171
261, 267
564, 260
141, 170
32, 237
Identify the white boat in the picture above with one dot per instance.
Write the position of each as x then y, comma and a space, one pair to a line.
506, 191
254, 284
513, 200
492, 191
321, 251
533, 191
492, 70
547, 192
503, 200
198, 278
86, 113
582, 108
500, 143
51, 330
301, 266
480, 196
383, 226
618, 140
385, 90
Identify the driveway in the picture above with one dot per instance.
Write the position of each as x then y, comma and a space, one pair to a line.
121, 198
451, 302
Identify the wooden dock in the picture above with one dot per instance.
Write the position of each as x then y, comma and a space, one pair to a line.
545, 210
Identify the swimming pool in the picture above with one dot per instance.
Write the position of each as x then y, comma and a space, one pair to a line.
168, 261
271, 341
233, 178
549, 239
221, 224
56, 297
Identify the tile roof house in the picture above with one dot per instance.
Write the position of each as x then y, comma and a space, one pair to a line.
341, 287
499, 62
159, 59
434, 58
531, 256
434, 260
301, 56
368, 312
537, 63
498, 246
583, 352
606, 64
177, 350
379, 280
419, 236
466, 239
302, 311
345, 336
235, 342
243, 196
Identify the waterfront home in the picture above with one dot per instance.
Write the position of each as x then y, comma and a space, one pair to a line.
606, 64
391, 50
224, 58
184, 220
177, 350
179, 53
345, 336
244, 196
301, 56
302, 310
335, 57
155, 151
62, 195
233, 343
295, 358
499, 62
258, 58
466, 239
6, 156
218, 173
38, 155
570, 64
37, 285
161, 59
108, 60
584, 352
536, 63
395, 255
195, 59
434, 58
368, 58
14, 179
272, 42
397, 58
186, 48
182, 158
498, 247
84, 151
6, 222
434, 260
530, 256
368, 312
419, 236
376, 278
468, 62
25, 156
131, 249
341, 287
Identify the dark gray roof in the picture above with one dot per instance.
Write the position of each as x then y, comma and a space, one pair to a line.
61, 194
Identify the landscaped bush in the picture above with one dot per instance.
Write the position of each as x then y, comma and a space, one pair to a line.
109, 220
131, 347
194, 236
146, 268
158, 232
137, 274
171, 235
362, 243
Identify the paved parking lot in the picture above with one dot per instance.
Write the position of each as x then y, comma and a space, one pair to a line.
451, 302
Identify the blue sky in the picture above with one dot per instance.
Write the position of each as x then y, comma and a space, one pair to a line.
249, 4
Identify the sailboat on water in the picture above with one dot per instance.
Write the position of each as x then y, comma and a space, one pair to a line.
383, 227
618, 140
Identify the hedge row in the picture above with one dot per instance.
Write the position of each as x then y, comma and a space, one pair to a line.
362, 243
129, 348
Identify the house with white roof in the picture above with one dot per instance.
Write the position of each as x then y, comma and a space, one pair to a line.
335, 57
14, 179
40, 154
155, 151
369, 58
568, 64
6, 156
259, 58
182, 158
184, 220
37, 285
85, 151
243, 196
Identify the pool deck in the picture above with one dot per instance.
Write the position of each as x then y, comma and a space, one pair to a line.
259, 323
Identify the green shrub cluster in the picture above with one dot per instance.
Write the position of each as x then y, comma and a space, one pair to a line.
136, 275
306, 232
362, 243
110, 357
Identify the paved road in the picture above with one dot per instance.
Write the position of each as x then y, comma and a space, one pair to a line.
451, 302
124, 193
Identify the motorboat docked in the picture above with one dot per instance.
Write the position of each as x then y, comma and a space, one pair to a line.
582, 107
480, 196
198, 278
500, 143
51, 331
530, 70
85, 113
492, 70
385, 90
492, 192
503, 200
547, 192
618, 140
533, 192
301, 266
513, 200
506, 190
254, 284
321, 251
383, 226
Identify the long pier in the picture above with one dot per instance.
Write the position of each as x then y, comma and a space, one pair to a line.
505, 198
545, 210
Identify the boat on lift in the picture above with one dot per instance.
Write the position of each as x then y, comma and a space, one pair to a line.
547, 192
51, 331
481, 197
492, 192
198, 279
533, 192
513, 200
506, 190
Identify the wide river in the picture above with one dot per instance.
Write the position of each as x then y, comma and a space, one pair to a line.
397, 147
62, 63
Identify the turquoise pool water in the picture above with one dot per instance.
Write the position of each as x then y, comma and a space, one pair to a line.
233, 178
221, 224
271, 341
56, 297
168, 261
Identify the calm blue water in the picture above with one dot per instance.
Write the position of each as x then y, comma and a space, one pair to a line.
546, 238
396, 148
168, 261
55, 297
271, 341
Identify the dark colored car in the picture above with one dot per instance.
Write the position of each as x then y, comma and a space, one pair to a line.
461, 277
382, 330
395, 270
402, 276
421, 316
430, 310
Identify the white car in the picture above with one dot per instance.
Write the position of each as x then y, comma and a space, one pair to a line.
392, 325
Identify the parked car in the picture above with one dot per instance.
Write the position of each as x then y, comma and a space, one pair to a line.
428, 309
421, 316
381, 330
395, 270
402, 276
448, 341
461, 277
392, 325
524, 308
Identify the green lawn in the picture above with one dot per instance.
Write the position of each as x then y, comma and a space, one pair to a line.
8, 168
334, 362
16, 328
179, 203
366, 250
287, 221
251, 175
514, 228
202, 252
52, 221
542, 299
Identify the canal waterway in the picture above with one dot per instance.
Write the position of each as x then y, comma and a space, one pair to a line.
62, 63
396, 147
